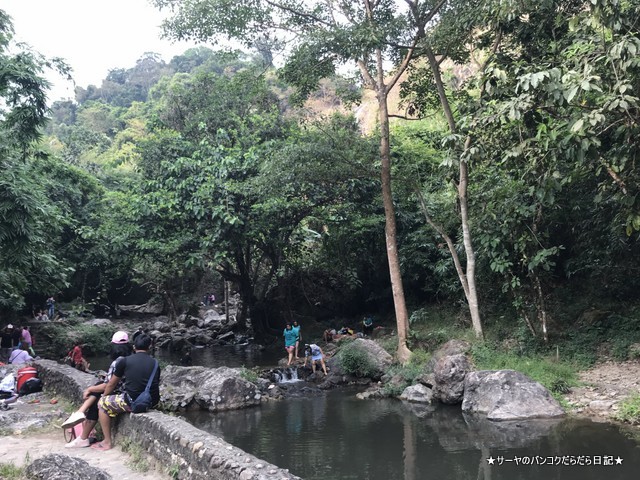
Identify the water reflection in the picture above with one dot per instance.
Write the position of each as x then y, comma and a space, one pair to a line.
336, 436
214, 356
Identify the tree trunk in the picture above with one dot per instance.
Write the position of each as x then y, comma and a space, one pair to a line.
470, 289
402, 316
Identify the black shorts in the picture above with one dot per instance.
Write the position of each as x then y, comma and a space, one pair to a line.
92, 412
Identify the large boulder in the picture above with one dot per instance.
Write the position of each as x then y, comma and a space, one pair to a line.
376, 356
449, 378
507, 395
61, 467
213, 389
213, 319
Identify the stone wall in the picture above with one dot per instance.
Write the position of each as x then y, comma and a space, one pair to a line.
64, 380
197, 454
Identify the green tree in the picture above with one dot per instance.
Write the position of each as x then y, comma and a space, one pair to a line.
27, 218
366, 34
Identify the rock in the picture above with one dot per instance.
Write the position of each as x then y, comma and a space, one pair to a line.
226, 337
376, 355
449, 373
99, 322
452, 347
151, 307
212, 318
417, 394
213, 389
371, 393
62, 467
161, 326
601, 405
507, 395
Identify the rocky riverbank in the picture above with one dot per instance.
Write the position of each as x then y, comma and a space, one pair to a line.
603, 387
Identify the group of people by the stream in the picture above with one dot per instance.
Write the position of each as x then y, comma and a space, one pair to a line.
16, 345
312, 352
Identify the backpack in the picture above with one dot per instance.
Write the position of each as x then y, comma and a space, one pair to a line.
32, 385
23, 375
143, 402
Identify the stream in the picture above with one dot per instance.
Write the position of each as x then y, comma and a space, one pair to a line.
336, 436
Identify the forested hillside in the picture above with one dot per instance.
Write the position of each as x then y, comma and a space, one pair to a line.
512, 153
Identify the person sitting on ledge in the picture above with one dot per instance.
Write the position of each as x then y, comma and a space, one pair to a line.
137, 370
88, 411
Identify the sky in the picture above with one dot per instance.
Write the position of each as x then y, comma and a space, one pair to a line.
93, 36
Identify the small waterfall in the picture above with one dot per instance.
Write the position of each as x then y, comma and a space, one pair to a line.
286, 375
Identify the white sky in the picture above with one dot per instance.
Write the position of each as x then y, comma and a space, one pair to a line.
93, 36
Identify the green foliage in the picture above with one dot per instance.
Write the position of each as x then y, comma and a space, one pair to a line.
9, 471
62, 336
354, 360
249, 374
174, 471
629, 410
406, 375
138, 459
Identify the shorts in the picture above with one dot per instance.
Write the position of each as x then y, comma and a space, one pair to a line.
315, 358
114, 405
92, 411
290, 348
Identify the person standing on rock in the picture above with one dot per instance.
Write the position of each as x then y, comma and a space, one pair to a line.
317, 355
296, 328
290, 339
136, 370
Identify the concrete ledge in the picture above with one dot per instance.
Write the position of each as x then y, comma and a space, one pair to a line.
198, 454
171, 440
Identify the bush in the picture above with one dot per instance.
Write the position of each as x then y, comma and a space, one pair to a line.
355, 361
249, 374
62, 336
629, 411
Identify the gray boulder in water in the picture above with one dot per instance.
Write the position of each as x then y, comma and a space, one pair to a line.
213, 389
62, 467
508, 395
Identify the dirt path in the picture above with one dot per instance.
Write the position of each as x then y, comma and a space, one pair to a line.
605, 386
29, 430
15, 448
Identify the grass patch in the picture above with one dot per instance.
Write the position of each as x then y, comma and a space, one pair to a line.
138, 459
406, 375
249, 374
9, 471
555, 375
629, 410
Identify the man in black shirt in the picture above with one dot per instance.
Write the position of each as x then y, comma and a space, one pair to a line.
136, 370
6, 343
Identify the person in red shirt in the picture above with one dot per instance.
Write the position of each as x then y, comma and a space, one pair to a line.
78, 360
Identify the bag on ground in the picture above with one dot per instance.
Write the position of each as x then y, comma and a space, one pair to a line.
24, 374
32, 385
